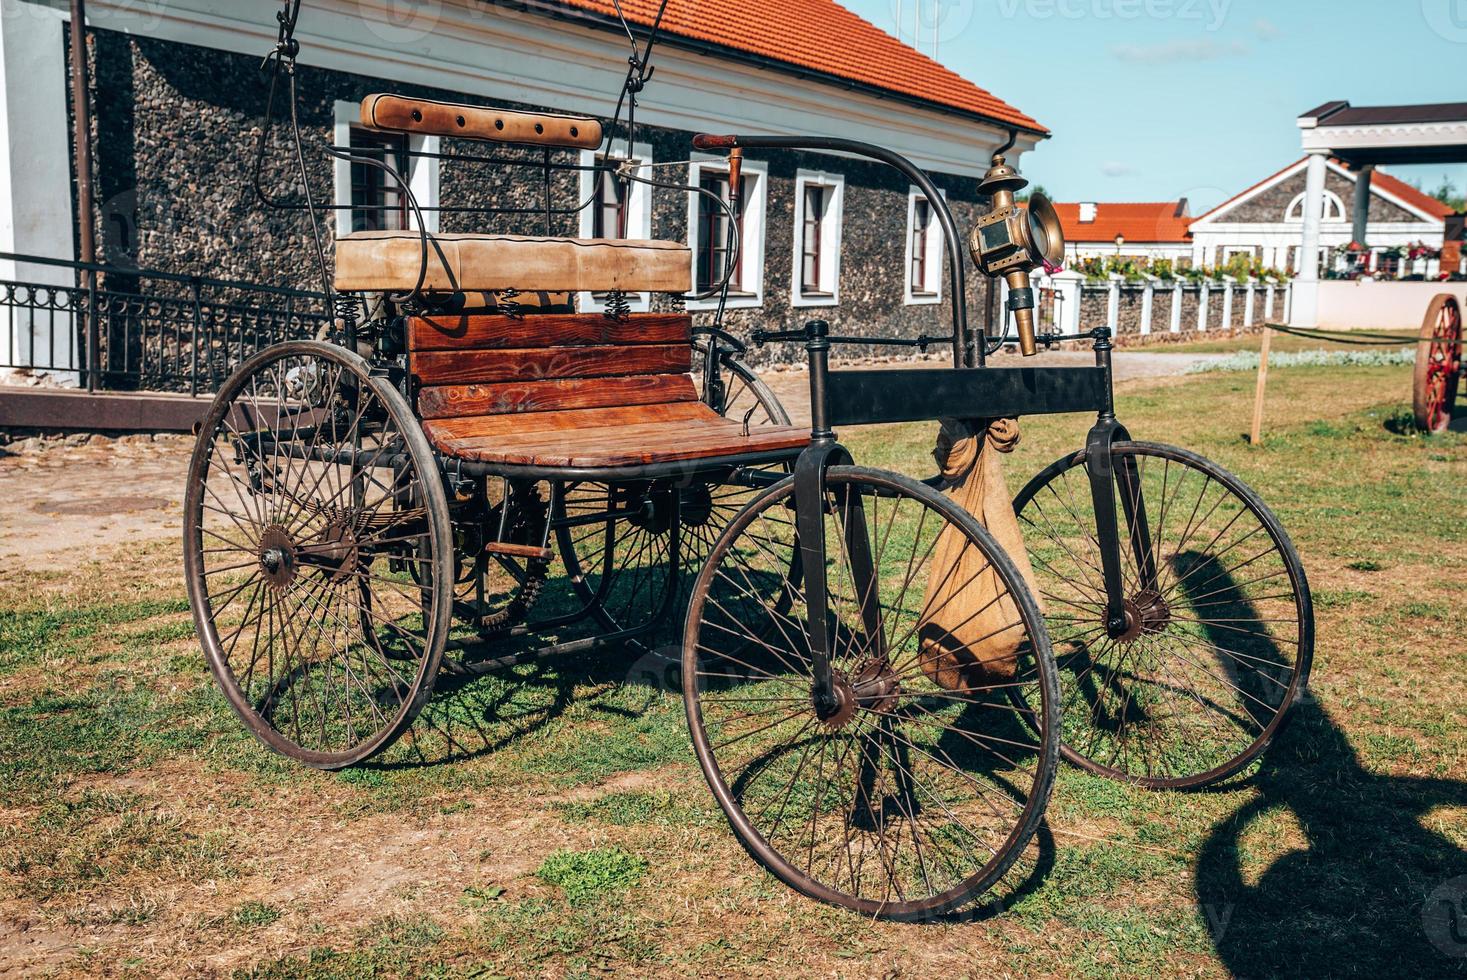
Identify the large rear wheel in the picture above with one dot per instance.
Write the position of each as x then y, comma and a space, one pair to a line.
1220, 630
317, 554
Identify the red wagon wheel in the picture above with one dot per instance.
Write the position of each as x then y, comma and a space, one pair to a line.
1438, 364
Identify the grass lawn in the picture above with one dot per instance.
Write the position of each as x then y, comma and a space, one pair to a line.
552, 821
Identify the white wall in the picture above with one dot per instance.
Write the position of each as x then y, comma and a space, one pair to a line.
1367, 304
35, 187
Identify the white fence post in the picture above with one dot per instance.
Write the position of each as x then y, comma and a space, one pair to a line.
1113, 305
1227, 314
1204, 296
1147, 297
1067, 286
1176, 324
1248, 303
1268, 298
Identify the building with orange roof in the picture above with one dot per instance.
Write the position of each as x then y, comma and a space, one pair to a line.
178, 102
1266, 221
1153, 230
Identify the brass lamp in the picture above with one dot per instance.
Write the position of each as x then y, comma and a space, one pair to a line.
1013, 240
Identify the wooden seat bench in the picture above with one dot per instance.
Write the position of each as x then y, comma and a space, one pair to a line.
572, 391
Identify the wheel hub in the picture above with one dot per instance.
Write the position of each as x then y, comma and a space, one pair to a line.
873, 687
278, 557
1146, 613
653, 510
695, 506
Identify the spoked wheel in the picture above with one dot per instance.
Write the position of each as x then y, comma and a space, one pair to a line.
496, 590
740, 394
620, 545
916, 783
1438, 365
634, 568
1218, 639
317, 554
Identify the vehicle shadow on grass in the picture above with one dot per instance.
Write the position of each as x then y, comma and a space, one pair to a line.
1373, 891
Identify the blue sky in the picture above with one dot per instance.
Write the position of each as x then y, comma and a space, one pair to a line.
1157, 99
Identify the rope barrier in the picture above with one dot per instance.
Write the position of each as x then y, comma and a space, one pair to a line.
1357, 338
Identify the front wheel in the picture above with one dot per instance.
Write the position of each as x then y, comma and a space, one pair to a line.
917, 783
1220, 630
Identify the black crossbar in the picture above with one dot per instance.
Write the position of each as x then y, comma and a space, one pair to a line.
865, 397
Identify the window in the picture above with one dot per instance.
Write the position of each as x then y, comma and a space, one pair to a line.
815, 201
1333, 208
378, 203
715, 238
711, 233
368, 199
819, 199
615, 208
924, 250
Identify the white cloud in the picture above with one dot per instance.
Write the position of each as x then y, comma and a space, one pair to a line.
1115, 168
1172, 52
1266, 30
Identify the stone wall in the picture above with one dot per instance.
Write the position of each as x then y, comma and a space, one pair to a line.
176, 128
1272, 205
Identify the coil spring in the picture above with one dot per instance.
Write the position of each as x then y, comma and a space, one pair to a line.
509, 304
344, 319
617, 307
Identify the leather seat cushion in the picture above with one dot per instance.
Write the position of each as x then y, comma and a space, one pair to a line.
376, 261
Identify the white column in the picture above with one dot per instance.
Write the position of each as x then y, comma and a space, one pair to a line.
1067, 287
1113, 305
35, 180
1268, 297
1176, 324
1248, 302
1147, 297
1204, 295
1227, 316
1306, 294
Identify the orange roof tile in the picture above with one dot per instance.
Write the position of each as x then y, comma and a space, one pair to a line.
824, 37
1411, 195
1139, 223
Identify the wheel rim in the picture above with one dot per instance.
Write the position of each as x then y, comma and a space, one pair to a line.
910, 797
1216, 648
306, 504
1438, 365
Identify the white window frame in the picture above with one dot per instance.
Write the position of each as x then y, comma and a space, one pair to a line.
751, 256
1334, 209
936, 253
830, 238
639, 215
422, 172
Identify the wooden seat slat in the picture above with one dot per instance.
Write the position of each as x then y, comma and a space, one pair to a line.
498, 331
496, 426
537, 364
572, 391
577, 444
523, 398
